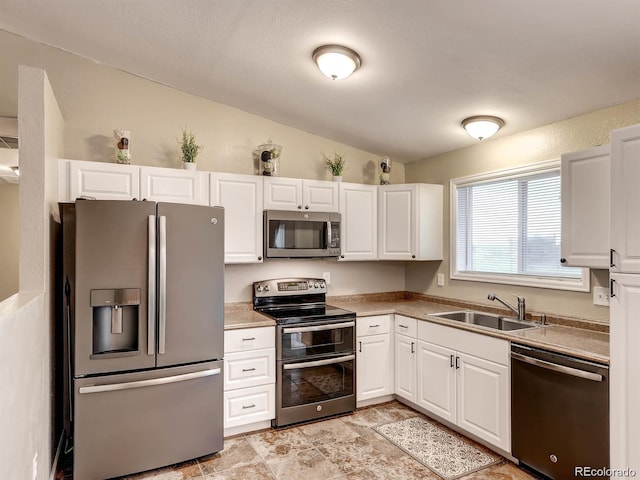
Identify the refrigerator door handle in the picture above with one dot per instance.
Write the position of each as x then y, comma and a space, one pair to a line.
162, 287
148, 383
151, 296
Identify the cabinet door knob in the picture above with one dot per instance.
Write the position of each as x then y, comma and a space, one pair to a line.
341, 256
563, 260
413, 256
259, 257
299, 207
306, 207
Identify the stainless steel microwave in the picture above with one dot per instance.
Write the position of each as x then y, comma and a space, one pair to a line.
291, 234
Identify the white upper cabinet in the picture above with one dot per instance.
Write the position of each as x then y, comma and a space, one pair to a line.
103, 181
585, 178
359, 226
625, 200
296, 194
172, 185
410, 222
241, 196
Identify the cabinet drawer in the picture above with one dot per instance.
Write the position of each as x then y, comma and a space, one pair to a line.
245, 339
406, 326
477, 344
249, 369
373, 325
249, 405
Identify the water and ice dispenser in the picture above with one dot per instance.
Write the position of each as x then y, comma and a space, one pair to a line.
115, 322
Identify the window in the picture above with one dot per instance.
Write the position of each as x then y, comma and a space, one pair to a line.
505, 228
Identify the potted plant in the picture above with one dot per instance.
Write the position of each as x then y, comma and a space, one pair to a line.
190, 149
336, 164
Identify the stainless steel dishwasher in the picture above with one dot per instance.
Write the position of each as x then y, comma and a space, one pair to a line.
559, 413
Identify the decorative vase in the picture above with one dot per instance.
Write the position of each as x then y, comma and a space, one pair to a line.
337, 178
123, 154
189, 165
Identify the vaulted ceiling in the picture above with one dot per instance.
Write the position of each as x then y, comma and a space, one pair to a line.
426, 64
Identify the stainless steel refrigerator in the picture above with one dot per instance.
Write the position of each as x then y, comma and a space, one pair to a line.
144, 306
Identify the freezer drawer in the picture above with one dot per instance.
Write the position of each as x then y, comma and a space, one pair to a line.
134, 422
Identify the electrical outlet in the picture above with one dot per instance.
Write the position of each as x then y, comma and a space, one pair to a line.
327, 277
34, 467
601, 296
440, 278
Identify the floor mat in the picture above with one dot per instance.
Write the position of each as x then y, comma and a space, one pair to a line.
445, 454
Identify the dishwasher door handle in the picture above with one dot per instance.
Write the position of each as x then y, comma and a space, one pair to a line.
575, 372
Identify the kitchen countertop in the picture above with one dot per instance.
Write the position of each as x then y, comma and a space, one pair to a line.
582, 343
235, 318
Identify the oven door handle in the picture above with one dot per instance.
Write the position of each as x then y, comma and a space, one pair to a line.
319, 328
318, 363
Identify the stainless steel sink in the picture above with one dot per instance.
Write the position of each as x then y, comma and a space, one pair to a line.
488, 320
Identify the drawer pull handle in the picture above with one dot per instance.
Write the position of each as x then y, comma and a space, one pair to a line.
403, 326
248, 369
244, 407
412, 350
248, 339
374, 326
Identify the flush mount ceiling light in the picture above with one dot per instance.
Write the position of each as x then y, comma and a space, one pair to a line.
336, 62
482, 126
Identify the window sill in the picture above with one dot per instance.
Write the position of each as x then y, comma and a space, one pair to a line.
576, 285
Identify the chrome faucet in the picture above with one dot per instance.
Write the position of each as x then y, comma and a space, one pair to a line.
520, 311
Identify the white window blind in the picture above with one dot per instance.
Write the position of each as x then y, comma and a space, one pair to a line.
508, 227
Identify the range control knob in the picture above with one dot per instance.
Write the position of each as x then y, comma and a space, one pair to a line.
267, 288
322, 284
316, 285
259, 288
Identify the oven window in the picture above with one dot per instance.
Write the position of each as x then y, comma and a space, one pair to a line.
298, 344
308, 384
293, 234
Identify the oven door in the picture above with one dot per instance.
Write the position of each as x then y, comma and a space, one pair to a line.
315, 388
316, 339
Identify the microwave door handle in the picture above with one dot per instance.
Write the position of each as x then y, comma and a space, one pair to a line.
328, 234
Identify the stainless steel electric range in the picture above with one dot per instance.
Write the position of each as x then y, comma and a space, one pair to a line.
315, 349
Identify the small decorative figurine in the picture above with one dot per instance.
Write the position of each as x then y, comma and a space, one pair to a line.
385, 165
123, 154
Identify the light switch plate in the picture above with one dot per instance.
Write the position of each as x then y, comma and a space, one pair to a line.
601, 296
327, 277
440, 278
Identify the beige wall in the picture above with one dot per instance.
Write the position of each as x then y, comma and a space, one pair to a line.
26, 319
544, 143
9, 240
96, 99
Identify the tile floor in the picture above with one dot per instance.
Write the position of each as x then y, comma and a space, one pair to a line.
343, 448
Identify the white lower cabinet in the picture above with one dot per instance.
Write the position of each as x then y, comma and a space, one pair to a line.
374, 359
249, 379
463, 378
404, 351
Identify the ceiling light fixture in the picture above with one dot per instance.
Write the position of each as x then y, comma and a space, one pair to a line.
482, 126
336, 62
